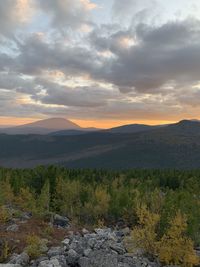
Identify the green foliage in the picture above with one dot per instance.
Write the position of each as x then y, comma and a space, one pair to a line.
4, 215
4, 251
26, 199
6, 191
43, 200
173, 248
98, 196
35, 246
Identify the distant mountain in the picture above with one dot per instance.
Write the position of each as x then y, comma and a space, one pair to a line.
132, 128
173, 146
42, 127
185, 127
74, 132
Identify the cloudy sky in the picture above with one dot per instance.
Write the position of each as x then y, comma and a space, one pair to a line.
99, 62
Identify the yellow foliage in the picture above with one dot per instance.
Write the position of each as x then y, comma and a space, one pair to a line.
34, 246
26, 200
67, 197
102, 201
144, 235
4, 253
6, 192
4, 215
174, 247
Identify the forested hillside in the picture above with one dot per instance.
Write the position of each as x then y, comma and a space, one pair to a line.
173, 146
98, 197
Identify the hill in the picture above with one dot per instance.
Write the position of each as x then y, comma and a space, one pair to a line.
42, 127
173, 146
132, 128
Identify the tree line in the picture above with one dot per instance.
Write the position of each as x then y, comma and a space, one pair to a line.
146, 200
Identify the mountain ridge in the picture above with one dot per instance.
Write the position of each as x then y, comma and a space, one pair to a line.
172, 146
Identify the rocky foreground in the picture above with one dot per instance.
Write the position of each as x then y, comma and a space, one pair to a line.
101, 248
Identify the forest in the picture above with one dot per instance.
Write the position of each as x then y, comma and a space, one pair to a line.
154, 203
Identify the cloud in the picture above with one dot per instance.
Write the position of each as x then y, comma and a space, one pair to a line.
135, 11
117, 70
14, 14
163, 54
83, 96
66, 14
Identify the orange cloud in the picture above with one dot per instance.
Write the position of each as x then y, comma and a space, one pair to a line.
15, 121
88, 5
114, 123
24, 10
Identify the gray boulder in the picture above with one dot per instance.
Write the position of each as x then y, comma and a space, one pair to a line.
55, 251
12, 228
10, 265
21, 259
72, 257
99, 258
60, 221
51, 263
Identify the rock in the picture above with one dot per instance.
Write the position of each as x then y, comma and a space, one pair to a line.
99, 258
51, 263
40, 259
84, 262
92, 242
72, 257
126, 231
118, 248
10, 265
61, 259
26, 215
87, 252
60, 221
55, 251
21, 259
85, 231
123, 265
12, 228
66, 242
102, 232
103, 248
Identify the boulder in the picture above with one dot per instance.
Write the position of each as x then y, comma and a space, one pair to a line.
60, 221
99, 258
52, 263
10, 265
72, 257
21, 259
55, 251
12, 228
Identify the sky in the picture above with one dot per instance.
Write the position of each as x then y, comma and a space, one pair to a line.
99, 63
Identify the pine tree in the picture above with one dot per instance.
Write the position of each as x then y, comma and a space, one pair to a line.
6, 192
43, 201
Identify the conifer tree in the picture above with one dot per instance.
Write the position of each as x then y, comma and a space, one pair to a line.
43, 201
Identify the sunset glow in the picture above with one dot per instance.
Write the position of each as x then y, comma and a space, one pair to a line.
99, 63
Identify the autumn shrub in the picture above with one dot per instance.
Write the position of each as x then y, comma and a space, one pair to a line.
35, 246
4, 215
144, 235
175, 248
4, 250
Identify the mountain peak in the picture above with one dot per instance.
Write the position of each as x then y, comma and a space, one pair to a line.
53, 123
188, 122
43, 127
